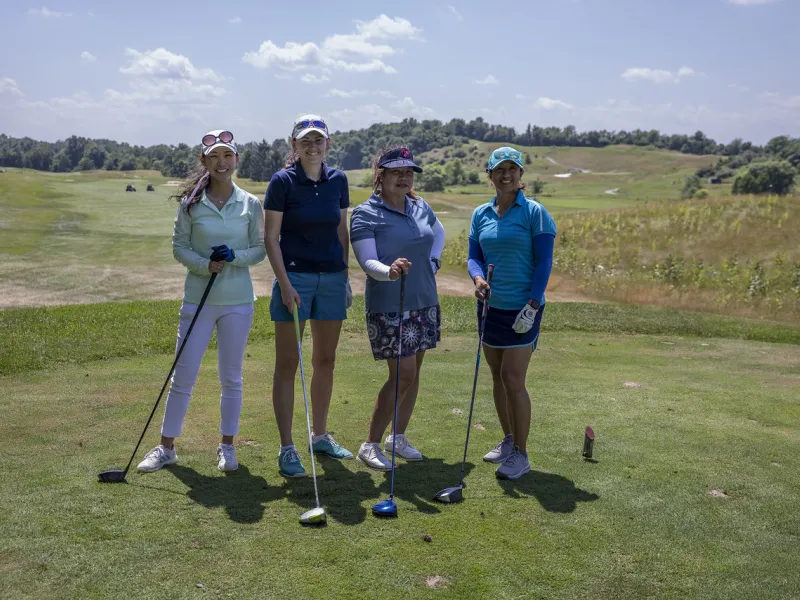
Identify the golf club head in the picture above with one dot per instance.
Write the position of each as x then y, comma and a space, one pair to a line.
315, 516
113, 476
386, 508
451, 495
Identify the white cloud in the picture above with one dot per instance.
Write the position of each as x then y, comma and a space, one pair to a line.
313, 79
658, 75
162, 63
454, 12
551, 104
752, 2
367, 114
488, 80
90, 13
383, 27
235, 20
337, 93
88, 56
781, 101
359, 52
162, 87
9, 86
739, 88
363, 116
46, 13
521, 96
408, 107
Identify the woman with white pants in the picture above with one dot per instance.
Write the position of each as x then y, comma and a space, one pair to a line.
219, 229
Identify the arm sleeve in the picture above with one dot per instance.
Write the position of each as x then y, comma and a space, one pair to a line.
275, 198
256, 250
438, 240
475, 260
182, 244
543, 258
367, 256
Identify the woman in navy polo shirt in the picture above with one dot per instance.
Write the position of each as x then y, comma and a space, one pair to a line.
308, 246
395, 232
516, 235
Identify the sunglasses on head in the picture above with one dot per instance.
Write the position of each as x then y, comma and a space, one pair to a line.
507, 155
311, 123
226, 137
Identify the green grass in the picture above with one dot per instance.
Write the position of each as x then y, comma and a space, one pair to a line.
41, 338
710, 414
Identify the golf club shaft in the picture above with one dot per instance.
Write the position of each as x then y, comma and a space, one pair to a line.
482, 326
305, 401
172, 369
397, 377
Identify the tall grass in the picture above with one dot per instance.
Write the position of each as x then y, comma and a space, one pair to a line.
733, 255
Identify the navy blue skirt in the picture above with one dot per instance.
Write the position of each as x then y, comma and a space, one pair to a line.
499, 332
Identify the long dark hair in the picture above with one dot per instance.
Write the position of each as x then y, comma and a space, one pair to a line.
193, 189
291, 158
377, 182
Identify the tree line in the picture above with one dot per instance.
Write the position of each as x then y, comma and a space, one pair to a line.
356, 149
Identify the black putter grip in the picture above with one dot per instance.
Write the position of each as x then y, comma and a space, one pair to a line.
489, 275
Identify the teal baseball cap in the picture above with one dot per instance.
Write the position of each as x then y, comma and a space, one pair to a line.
503, 154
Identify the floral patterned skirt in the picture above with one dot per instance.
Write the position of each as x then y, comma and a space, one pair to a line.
422, 329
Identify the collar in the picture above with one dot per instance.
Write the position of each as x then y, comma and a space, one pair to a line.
238, 195
378, 202
520, 199
301, 174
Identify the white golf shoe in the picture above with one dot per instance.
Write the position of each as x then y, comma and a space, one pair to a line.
403, 448
370, 454
500, 453
157, 457
226, 458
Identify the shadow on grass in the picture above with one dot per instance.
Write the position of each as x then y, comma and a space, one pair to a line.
419, 482
554, 492
343, 492
242, 495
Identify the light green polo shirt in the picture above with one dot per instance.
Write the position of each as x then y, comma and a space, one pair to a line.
240, 226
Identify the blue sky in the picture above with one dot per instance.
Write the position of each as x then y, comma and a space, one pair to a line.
150, 72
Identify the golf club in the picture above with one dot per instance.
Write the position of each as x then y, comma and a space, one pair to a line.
315, 516
117, 476
452, 495
388, 508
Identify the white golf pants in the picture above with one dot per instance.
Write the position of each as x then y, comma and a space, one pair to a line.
233, 327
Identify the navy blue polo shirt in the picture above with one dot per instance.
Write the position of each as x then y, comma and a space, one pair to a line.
311, 216
398, 235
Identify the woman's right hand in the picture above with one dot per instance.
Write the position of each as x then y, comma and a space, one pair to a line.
290, 297
481, 288
401, 265
216, 266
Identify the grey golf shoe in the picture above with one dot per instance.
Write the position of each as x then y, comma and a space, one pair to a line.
499, 453
515, 466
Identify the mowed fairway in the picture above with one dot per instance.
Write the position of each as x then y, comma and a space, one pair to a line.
693, 494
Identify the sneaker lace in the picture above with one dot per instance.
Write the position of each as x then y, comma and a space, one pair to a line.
291, 455
228, 453
512, 459
156, 453
499, 447
332, 441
